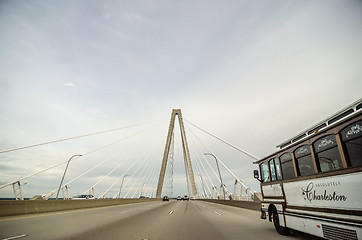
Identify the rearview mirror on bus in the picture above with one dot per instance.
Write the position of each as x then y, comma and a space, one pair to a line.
256, 175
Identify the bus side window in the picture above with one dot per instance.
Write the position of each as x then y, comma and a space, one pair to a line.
352, 143
287, 166
304, 160
327, 153
272, 170
264, 172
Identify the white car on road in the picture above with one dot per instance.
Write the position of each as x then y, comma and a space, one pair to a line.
83, 197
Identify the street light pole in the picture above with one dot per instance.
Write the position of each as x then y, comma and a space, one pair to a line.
142, 189
216, 193
61, 182
203, 186
120, 189
217, 164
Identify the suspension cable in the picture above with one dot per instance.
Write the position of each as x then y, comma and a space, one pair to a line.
144, 156
58, 164
63, 162
95, 150
217, 177
103, 194
109, 173
152, 177
140, 174
197, 163
74, 137
229, 144
197, 158
153, 180
144, 177
49, 194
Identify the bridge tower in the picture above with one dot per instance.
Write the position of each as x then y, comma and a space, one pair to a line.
190, 179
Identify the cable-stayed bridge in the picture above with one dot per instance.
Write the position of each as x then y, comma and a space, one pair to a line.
128, 174
129, 166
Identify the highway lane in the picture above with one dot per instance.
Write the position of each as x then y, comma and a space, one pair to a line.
151, 220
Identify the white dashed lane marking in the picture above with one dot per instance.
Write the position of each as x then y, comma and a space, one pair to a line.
217, 213
127, 211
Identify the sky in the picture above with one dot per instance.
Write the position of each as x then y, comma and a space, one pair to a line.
254, 73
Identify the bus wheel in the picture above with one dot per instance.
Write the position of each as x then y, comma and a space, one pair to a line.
281, 230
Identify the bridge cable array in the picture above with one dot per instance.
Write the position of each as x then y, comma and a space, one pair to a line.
142, 171
203, 159
231, 145
248, 190
47, 195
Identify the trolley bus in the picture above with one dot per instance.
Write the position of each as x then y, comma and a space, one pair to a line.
313, 183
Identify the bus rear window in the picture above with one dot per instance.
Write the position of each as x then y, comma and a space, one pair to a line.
264, 172
287, 166
274, 169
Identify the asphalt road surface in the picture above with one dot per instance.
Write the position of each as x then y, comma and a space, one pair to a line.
151, 220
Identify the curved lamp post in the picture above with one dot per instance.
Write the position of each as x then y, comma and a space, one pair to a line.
120, 189
203, 186
61, 182
217, 164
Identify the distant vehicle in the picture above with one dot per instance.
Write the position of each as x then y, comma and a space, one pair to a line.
83, 197
186, 198
312, 183
179, 198
165, 198
191, 198
142, 197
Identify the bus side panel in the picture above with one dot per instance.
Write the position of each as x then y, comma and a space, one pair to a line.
333, 192
322, 228
273, 190
280, 211
304, 225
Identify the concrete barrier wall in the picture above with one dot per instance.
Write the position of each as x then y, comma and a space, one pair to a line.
13, 207
242, 204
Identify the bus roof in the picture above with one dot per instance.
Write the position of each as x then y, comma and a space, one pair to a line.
345, 112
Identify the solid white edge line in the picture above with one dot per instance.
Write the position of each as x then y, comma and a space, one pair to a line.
15, 237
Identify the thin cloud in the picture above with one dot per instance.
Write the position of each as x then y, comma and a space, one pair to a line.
97, 113
69, 84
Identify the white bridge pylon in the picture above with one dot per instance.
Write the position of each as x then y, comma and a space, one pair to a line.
190, 178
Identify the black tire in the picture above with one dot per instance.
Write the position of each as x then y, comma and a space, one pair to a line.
281, 230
